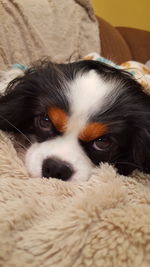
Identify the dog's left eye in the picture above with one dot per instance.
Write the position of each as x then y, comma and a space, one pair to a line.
102, 143
42, 121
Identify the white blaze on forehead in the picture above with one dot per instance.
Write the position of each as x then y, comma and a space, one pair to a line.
87, 95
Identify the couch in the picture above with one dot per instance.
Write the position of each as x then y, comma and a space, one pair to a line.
122, 44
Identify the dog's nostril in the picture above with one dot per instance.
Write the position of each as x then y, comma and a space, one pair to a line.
56, 168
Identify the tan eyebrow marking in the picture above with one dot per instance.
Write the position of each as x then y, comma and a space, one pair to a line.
59, 118
93, 131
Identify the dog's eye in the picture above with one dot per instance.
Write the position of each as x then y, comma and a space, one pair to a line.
102, 143
42, 121
45, 118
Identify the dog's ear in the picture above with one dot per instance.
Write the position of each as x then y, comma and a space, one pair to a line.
141, 147
13, 107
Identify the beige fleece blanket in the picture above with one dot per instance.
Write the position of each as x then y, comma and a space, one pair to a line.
102, 222
62, 30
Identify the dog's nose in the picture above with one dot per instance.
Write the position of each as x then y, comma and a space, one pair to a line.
57, 169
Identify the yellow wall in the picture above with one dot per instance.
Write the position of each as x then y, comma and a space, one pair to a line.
129, 13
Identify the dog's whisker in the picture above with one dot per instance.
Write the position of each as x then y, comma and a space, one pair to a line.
21, 145
16, 129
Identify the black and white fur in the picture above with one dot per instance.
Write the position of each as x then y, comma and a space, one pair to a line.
88, 91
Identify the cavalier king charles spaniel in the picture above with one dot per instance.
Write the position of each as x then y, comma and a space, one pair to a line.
77, 116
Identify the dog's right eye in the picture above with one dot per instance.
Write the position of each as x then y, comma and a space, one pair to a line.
102, 143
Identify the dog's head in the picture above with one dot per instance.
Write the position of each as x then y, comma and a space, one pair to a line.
78, 115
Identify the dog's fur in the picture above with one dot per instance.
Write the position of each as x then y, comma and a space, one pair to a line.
76, 116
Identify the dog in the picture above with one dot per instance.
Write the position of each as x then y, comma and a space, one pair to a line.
76, 116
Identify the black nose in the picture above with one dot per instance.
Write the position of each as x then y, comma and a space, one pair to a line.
57, 169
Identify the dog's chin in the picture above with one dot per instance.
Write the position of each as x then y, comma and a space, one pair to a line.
75, 178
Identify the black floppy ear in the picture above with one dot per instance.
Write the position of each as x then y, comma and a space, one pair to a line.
13, 107
141, 149
140, 123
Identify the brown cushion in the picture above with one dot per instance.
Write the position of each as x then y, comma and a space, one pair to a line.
138, 41
113, 46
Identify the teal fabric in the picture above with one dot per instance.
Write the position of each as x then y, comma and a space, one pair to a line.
19, 66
